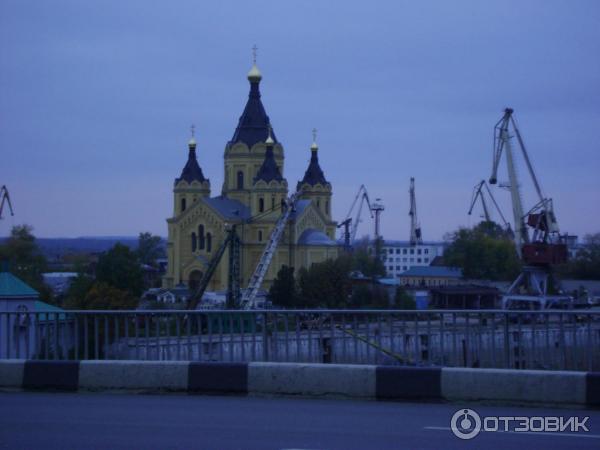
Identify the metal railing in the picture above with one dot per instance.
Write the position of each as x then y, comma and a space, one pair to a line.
552, 340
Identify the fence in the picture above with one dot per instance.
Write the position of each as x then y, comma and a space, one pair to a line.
553, 340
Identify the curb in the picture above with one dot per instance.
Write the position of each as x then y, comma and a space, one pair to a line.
308, 380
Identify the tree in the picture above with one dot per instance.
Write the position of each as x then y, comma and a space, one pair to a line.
105, 296
483, 252
284, 290
25, 259
120, 268
403, 300
586, 264
362, 261
149, 248
369, 297
78, 290
326, 284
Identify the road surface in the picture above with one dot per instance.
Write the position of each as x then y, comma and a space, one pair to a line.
30, 420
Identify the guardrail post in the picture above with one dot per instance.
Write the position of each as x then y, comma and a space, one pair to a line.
265, 338
506, 343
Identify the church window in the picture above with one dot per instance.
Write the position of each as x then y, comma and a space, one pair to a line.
327, 207
260, 236
194, 243
240, 180
318, 203
182, 204
201, 241
261, 204
273, 202
208, 242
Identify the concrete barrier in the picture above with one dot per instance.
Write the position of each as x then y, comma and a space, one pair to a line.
145, 375
11, 373
310, 380
357, 381
520, 386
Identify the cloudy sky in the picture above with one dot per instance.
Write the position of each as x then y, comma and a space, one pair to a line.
96, 101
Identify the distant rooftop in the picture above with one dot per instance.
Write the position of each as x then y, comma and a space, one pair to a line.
13, 287
229, 208
315, 237
394, 243
433, 271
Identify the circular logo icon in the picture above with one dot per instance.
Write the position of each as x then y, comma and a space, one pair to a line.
465, 424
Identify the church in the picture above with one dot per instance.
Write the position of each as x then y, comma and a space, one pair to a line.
252, 198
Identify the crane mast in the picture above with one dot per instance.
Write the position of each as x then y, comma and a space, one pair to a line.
415, 229
502, 143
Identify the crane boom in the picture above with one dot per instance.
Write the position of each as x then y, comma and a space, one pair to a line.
352, 224
196, 297
265, 259
478, 193
504, 221
5, 197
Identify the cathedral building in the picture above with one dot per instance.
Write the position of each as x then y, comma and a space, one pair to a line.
253, 194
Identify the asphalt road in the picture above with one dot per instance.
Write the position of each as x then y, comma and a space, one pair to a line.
121, 421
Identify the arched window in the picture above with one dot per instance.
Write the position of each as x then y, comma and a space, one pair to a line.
273, 202
327, 206
261, 204
208, 242
182, 204
259, 235
201, 237
319, 203
194, 243
240, 180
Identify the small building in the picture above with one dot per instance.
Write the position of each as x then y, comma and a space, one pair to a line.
32, 327
401, 256
177, 294
431, 276
464, 296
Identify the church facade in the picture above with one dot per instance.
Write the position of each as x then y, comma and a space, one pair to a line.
253, 194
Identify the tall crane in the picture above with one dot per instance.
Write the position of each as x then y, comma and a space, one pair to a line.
544, 248
5, 197
351, 224
478, 193
415, 227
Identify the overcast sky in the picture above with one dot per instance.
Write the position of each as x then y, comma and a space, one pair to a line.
97, 97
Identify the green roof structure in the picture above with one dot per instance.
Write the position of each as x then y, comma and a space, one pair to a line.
12, 287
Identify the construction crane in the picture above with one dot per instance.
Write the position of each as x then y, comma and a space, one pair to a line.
233, 242
5, 198
478, 193
265, 259
351, 224
347, 223
415, 227
545, 247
